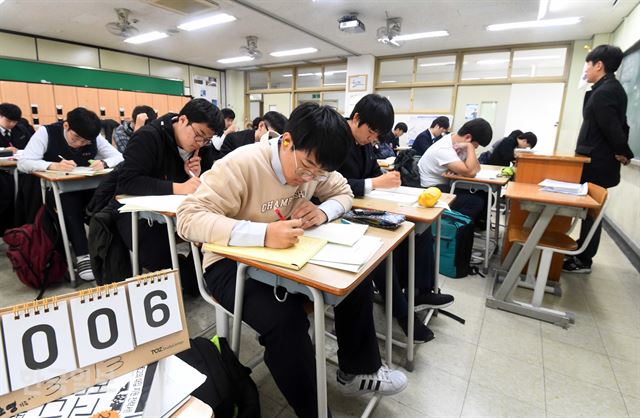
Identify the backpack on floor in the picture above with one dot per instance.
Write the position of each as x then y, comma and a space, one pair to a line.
35, 251
456, 243
229, 389
407, 164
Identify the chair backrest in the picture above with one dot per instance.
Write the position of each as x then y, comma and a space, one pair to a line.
599, 194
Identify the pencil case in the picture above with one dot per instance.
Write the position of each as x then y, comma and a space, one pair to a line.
375, 218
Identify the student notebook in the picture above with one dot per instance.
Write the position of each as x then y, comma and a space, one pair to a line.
344, 234
292, 258
349, 258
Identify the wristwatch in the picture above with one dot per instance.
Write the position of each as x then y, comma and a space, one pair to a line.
104, 164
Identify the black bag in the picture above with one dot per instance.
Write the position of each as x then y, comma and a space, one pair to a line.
229, 389
407, 164
110, 259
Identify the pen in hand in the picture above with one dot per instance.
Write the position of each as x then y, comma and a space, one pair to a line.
192, 174
280, 215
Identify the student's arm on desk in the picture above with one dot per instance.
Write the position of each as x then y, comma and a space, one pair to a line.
470, 167
32, 155
107, 152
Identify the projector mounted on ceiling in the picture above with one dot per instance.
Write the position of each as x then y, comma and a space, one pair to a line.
389, 31
350, 24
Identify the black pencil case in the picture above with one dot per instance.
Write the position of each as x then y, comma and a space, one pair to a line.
375, 218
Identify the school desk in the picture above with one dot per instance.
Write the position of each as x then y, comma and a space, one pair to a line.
322, 285
490, 185
541, 208
423, 217
61, 182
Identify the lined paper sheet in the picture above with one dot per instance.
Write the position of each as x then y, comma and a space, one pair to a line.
488, 174
344, 234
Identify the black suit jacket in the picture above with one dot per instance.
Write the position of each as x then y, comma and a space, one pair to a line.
20, 135
237, 140
361, 164
422, 142
604, 132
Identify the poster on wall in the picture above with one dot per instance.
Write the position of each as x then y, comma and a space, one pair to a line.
205, 87
471, 111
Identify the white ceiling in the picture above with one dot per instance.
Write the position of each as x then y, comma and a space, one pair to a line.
289, 24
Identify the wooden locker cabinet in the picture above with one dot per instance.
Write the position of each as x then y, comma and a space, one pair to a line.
18, 94
88, 98
65, 96
109, 100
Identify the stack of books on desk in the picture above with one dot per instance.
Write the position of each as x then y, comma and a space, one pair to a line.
556, 186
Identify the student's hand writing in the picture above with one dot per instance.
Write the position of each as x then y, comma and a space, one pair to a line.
309, 214
141, 119
12, 149
97, 165
387, 180
283, 234
622, 159
192, 165
188, 187
64, 165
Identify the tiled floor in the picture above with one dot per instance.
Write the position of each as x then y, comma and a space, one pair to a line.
497, 364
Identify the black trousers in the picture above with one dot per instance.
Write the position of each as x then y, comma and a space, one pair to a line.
7, 202
283, 329
424, 265
154, 252
590, 251
73, 206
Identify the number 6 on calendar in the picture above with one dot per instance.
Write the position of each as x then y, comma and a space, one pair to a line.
155, 308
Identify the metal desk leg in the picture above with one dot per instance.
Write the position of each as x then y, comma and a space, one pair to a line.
498, 203
436, 273
321, 366
135, 263
171, 233
487, 233
389, 311
411, 292
63, 229
15, 184
43, 190
241, 276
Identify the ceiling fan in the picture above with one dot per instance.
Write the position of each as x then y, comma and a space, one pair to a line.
389, 31
123, 27
251, 50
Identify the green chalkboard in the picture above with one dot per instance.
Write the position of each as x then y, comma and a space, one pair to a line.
629, 76
37, 72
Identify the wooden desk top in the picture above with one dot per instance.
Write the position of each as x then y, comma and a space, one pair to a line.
532, 193
194, 407
59, 176
334, 281
412, 213
500, 181
557, 157
8, 163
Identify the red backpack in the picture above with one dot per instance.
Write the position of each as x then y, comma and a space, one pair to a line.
36, 259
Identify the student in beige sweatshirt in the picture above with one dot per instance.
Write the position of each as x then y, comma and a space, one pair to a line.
234, 205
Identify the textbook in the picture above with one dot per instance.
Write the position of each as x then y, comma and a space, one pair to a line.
292, 258
556, 186
349, 258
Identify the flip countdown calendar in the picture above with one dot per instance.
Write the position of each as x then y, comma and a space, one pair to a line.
58, 346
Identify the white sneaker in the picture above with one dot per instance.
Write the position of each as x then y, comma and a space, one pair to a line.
384, 382
83, 265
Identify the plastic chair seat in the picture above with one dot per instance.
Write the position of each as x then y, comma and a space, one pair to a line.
550, 239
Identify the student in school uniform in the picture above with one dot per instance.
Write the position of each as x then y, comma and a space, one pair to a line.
502, 153
371, 116
229, 128
286, 172
62, 146
457, 153
271, 121
390, 141
163, 158
14, 135
429, 136
140, 116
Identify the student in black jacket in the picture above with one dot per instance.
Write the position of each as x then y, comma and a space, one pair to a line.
371, 116
425, 139
271, 121
603, 137
163, 158
503, 151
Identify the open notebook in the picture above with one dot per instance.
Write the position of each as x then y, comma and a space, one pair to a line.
292, 258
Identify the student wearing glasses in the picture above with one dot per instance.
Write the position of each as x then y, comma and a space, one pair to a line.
62, 146
163, 158
285, 173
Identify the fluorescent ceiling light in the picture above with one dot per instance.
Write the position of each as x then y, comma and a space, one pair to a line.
494, 78
493, 61
309, 74
470, 78
542, 8
535, 24
290, 52
287, 75
437, 64
334, 72
412, 36
537, 57
335, 84
243, 58
207, 21
146, 37
388, 81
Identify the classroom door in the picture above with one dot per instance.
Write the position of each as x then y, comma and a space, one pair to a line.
536, 107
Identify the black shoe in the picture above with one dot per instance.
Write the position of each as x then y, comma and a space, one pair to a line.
430, 300
574, 265
421, 333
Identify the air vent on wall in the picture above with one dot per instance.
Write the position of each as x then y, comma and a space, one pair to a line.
186, 7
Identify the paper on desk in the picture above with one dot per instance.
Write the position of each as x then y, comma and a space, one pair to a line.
166, 203
173, 383
356, 255
344, 234
83, 171
439, 204
488, 174
391, 196
556, 186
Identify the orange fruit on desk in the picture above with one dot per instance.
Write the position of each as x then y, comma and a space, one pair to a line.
429, 197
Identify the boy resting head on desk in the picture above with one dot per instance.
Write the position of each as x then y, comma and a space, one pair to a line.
235, 205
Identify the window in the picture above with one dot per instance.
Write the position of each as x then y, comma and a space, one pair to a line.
441, 68
432, 98
307, 97
538, 63
400, 99
258, 80
309, 77
335, 76
335, 99
394, 72
281, 79
485, 66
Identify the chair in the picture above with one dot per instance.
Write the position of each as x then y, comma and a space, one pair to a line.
558, 242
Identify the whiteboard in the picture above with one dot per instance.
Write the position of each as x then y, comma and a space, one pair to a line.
629, 76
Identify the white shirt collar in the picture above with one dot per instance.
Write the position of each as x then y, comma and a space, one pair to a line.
275, 159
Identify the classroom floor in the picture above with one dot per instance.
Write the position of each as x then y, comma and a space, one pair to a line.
497, 364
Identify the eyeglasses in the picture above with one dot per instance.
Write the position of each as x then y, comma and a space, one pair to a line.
76, 139
305, 174
199, 138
